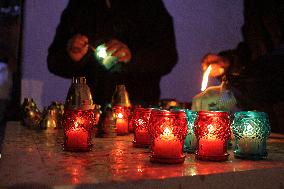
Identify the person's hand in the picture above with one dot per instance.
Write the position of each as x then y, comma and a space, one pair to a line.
77, 47
218, 64
119, 50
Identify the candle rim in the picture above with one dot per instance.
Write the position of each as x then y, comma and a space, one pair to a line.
251, 113
213, 112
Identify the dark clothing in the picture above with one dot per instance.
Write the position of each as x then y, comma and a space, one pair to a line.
256, 66
256, 72
144, 26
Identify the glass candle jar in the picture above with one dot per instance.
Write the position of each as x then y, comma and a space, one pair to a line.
140, 123
104, 57
121, 119
190, 140
168, 131
212, 130
78, 126
131, 119
251, 130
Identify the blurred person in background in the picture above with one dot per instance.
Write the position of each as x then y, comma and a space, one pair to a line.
138, 33
254, 71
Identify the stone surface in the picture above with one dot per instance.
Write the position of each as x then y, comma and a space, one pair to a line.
35, 158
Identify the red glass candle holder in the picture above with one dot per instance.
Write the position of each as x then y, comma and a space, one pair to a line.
121, 119
168, 131
78, 126
212, 129
140, 123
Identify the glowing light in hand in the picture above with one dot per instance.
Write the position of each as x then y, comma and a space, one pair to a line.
101, 52
205, 78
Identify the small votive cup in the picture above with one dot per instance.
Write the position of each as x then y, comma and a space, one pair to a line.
168, 130
212, 130
78, 126
121, 119
140, 123
251, 130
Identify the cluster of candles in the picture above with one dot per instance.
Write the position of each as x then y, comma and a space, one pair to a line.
171, 133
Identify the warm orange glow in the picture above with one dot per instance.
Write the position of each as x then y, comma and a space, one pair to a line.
120, 115
79, 121
205, 78
211, 130
167, 134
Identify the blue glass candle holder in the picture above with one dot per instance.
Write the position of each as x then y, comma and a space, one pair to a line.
251, 130
190, 140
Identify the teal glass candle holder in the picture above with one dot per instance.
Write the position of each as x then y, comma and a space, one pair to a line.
251, 130
104, 57
190, 140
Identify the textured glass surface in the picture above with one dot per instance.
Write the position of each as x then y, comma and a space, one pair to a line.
121, 114
251, 130
168, 130
190, 140
140, 123
213, 124
212, 130
161, 119
78, 126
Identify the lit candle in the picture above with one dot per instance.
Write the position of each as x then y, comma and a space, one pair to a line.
250, 146
251, 130
121, 124
212, 130
168, 130
167, 145
77, 137
121, 119
212, 147
78, 127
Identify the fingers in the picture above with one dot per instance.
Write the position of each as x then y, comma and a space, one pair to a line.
77, 47
119, 50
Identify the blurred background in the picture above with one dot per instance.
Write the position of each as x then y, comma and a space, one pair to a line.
28, 27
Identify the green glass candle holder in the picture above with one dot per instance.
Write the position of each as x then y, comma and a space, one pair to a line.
251, 130
104, 57
190, 140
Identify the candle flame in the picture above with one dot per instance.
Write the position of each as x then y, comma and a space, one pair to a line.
205, 78
249, 130
211, 130
167, 132
120, 115
79, 121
